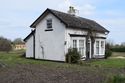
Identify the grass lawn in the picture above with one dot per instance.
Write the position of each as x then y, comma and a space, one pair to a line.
13, 58
18, 69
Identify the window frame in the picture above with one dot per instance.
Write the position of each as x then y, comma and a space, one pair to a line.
102, 46
78, 46
81, 46
49, 23
74, 43
97, 47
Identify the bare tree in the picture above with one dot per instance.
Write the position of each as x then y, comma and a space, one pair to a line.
5, 44
123, 44
18, 41
91, 34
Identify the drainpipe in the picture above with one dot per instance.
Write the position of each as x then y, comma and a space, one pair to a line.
34, 45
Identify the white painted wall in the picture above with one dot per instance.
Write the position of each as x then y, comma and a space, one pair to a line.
50, 44
68, 38
83, 32
29, 47
100, 35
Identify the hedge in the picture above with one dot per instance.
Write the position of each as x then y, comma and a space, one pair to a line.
118, 49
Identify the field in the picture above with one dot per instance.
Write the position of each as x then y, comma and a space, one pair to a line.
16, 69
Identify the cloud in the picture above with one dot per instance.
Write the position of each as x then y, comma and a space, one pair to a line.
116, 27
4, 23
87, 10
17, 15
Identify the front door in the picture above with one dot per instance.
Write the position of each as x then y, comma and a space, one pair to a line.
89, 50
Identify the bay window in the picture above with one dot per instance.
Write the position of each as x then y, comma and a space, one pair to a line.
99, 47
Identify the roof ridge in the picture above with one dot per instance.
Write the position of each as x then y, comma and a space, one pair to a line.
72, 21
69, 14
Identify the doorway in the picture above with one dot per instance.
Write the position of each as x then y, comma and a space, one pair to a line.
89, 50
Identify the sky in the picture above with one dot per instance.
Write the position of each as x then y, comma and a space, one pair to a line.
17, 15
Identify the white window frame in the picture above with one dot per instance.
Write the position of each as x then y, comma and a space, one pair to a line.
77, 39
101, 49
81, 47
97, 47
49, 23
74, 43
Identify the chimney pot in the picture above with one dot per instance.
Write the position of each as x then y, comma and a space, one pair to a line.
72, 11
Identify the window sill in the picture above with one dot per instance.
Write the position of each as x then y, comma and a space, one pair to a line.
99, 54
49, 30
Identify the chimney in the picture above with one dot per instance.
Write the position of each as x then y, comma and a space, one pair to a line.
32, 30
72, 11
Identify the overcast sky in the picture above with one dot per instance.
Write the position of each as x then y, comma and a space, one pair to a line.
17, 15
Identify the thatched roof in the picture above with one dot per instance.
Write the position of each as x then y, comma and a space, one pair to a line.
72, 21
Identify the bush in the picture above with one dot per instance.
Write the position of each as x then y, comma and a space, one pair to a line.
108, 53
5, 44
118, 49
117, 79
23, 55
73, 56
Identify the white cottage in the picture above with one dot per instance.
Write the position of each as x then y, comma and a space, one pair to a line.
55, 32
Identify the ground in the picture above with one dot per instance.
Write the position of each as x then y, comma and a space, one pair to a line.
16, 69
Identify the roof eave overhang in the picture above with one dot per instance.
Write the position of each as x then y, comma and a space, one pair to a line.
32, 33
34, 24
105, 31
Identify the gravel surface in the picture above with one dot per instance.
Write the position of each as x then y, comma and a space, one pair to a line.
42, 74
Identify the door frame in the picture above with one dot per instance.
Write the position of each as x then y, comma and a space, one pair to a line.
90, 49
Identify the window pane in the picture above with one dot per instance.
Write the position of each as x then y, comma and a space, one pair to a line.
97, 50
74, 43
102, 47
102, 44
49, 23
81, 47
97, 47
97, 43
81, 43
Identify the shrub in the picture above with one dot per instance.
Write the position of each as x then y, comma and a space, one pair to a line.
118, 49
117, 79
108, 53
23, 55
5, 44
73, 56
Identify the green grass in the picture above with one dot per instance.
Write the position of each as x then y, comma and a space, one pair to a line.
118, 63
14, 58
100, 67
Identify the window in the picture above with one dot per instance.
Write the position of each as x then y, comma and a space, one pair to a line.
81, 47
49, 23
102, 44
97, 47
102, 47
74, 43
